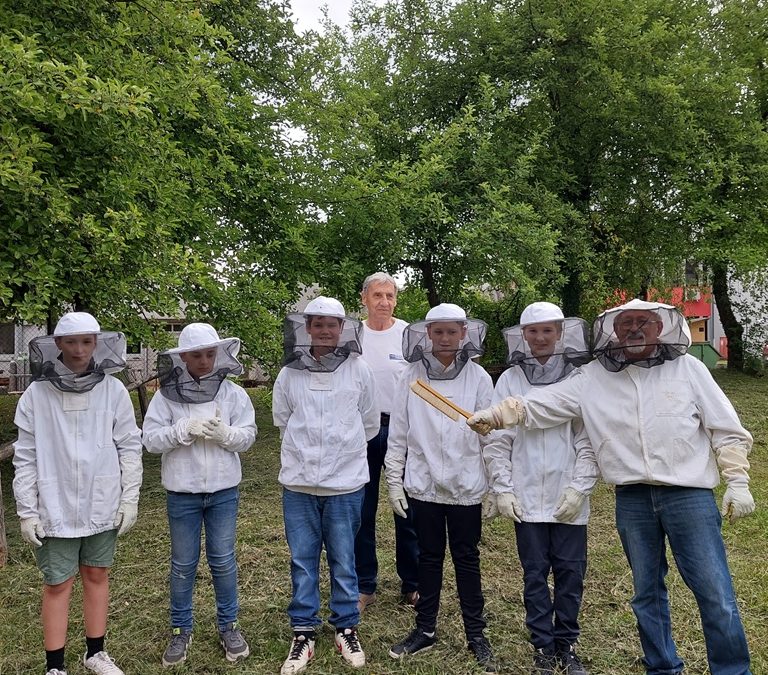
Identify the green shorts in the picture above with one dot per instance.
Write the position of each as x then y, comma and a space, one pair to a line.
59, 559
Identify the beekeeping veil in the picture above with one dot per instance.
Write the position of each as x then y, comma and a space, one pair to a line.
418, 345
177, 383
298, 343
640, 333
570, 349
46, 360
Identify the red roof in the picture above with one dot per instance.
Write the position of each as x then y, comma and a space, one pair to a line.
699, 308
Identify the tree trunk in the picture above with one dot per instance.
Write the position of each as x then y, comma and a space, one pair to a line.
734, 331
427, 279
571, 294
429, 284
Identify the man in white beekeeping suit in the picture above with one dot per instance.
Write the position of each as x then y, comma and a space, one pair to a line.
660, 428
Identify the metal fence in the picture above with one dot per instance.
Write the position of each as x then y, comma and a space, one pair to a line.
15, 374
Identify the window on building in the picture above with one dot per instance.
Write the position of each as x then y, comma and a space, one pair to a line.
7, 332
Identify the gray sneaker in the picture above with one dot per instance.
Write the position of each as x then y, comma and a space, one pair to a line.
176, 651
235, 646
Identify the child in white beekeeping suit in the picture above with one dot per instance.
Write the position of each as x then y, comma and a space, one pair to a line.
77, 476
200, 422
324, 404
438, 463
530, 472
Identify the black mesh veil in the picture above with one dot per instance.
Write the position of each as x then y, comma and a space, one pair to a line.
418, 345
46, 364
570, 351
665, 330
178, 384
297, 344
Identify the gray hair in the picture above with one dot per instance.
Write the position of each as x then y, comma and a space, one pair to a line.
378, 278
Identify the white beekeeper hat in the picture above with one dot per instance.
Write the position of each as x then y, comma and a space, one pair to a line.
446, 311
197, 336
541, 312
297, 343
76, 323
323, 306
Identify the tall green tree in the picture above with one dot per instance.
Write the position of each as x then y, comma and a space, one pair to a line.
725, 184
413, 176
133, 157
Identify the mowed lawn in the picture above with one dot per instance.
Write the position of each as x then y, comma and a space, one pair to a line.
138, 623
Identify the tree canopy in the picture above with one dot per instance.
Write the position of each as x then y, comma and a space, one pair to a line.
204, 156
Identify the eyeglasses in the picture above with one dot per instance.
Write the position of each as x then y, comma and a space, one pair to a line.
634, 322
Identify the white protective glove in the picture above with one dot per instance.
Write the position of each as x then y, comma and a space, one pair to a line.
398, 500
32, 531
504, 415
189, 428
490, 508
215, 430
126, 517
737, 502
570, 505
509, 506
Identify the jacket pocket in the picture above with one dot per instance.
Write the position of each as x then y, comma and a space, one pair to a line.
673, 398
105, 499
104, 429
49, 507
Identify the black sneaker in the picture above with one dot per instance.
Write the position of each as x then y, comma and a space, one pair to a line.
544, 662
417, 641
481, 648
570, 662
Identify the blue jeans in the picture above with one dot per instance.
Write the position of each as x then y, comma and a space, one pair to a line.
310, 522
186, 514
406, 541
688, 518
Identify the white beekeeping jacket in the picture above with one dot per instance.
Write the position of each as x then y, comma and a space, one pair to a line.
660, 425
77, 457
196, 465
325, 421
536, 464
442, 458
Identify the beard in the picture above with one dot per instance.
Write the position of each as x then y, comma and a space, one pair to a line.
635, 350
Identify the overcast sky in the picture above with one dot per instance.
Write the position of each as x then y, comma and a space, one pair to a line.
307, 13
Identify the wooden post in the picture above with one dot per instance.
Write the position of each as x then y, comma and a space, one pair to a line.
6, 451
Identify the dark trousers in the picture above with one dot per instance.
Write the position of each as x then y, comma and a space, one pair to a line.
463, 524
406, 542
553, 620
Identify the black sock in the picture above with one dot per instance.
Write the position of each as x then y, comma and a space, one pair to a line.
54, 658
93, 646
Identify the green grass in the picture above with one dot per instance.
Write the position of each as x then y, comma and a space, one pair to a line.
138, 624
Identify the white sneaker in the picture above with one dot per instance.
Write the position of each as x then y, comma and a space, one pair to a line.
56, 671
301, 652
102, 663
348, 644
